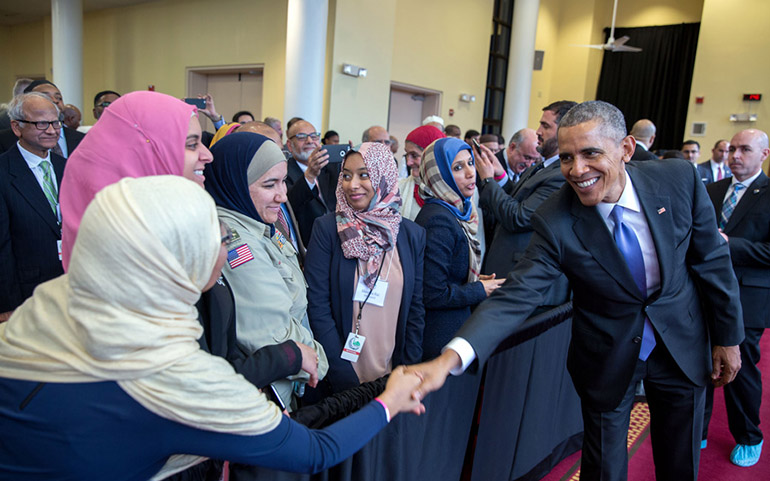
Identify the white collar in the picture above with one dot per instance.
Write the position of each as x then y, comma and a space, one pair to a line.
32, 159
628, 200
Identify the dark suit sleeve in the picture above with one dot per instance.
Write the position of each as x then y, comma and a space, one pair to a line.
10, 294
515, 214
267, 364
708, 260
753, 251
442, 243
415, 322
506, 309
318, 267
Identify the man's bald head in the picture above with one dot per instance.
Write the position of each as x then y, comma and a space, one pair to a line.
644, 131
261, 128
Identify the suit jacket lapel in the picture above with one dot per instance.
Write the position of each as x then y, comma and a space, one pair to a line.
592, 232
748, 200
24, 181
657, 211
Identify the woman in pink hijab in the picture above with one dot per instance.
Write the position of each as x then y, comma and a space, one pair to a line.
140, 134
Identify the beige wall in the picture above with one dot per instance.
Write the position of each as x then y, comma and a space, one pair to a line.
572, 73
129, 48
729, 63
444, 45
358, 103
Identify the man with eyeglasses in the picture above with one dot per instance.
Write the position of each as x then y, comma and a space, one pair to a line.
311, 180
102, 100
68, 138
30, 218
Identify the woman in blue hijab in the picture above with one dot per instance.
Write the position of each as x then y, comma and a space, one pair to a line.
452, 251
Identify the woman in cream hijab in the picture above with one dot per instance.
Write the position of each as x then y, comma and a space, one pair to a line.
102, 376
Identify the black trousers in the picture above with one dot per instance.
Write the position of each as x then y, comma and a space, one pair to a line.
676, 418
743, 396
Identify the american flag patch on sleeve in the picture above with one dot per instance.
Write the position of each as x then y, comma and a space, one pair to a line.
239, 255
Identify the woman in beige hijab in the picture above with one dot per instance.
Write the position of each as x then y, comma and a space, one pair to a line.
101, 373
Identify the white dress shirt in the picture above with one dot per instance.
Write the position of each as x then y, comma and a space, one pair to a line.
634, 218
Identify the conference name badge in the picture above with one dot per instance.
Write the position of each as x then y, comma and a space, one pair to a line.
377, 297
353, 346
58, 246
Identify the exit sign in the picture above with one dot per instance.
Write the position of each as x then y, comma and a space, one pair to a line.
752, 97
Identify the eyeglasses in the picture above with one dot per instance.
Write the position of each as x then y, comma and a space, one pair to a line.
314, 136
103, 105
229, 236
386, 142
42, 124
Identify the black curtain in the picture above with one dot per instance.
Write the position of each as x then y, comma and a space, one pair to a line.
654, 83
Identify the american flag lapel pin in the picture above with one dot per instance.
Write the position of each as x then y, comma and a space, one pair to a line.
661, 210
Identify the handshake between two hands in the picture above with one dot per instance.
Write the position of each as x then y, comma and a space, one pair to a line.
408, 385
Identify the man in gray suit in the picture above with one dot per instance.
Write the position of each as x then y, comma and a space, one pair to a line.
512, 209
645, 263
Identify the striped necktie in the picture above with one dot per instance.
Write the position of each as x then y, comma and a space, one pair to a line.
284, 224
729, 205
49, 188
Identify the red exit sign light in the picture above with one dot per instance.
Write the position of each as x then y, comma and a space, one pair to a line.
752, 97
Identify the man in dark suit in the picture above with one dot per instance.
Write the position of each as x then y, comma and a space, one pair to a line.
643, 131
639, 247
311, 180
520, 154
512, 212
68, 138
30, 222
716, 168
742, 206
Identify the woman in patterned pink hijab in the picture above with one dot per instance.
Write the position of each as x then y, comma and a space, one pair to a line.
140, 134
364, 273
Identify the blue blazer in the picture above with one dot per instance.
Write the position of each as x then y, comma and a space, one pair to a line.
447, 295
28, 230
330, 277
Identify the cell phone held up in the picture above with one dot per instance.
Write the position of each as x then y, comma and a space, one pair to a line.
200, 103
476, 144
336, 152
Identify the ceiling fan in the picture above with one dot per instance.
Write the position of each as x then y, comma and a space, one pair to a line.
614, 45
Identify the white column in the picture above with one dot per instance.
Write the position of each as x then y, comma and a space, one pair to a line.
305, 60
521, 61
67, 39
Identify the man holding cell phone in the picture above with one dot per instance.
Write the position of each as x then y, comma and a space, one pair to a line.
311, 178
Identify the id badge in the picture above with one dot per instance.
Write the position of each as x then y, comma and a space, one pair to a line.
377, 297
353, 347
58, 246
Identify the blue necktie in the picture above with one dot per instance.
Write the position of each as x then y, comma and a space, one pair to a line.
628, 244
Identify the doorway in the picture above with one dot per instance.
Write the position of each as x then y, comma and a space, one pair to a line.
408, 106
233, 89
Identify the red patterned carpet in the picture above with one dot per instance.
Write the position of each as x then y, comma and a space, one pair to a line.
714, 462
